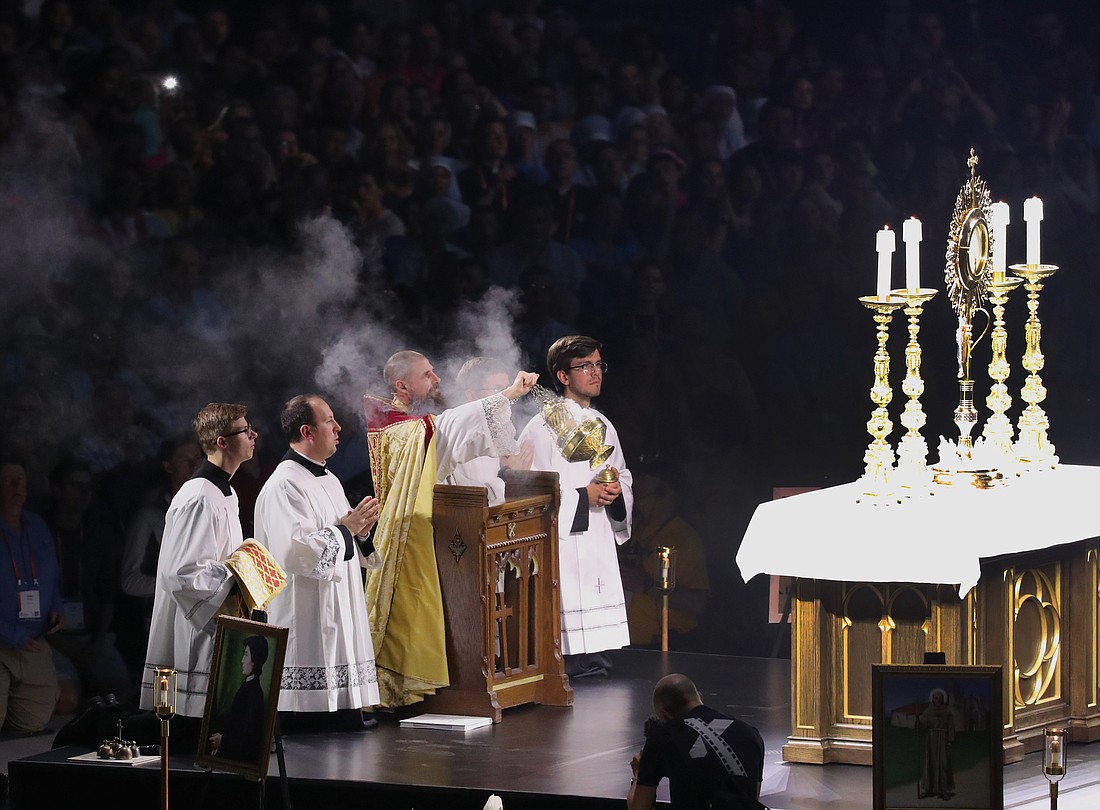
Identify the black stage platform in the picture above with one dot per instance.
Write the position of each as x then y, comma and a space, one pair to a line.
539, 757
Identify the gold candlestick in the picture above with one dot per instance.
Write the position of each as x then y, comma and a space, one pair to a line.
164, 706
879, 457
1033, 449
912, 468
666, 583
998, 430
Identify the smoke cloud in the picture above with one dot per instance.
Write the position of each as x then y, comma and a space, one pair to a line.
146, 333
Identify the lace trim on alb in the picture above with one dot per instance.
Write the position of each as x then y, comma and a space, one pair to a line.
498, 416
303, 679
334, 550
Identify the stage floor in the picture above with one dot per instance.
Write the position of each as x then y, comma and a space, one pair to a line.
538, 757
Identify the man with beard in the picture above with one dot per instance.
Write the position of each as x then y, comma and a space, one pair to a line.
304, 519
415, 442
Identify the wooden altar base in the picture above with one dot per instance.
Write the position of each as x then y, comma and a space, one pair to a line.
539, 757
1035, 614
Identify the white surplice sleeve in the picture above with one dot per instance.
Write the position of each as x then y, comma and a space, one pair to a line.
479, 472
626, 481
286, 522
190, 568
482, 427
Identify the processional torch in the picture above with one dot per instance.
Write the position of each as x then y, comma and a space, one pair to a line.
666, 582
1054, 760
164, 706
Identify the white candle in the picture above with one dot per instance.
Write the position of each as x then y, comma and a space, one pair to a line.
1033, 215
885, 244
999, 223
911, 236
164, 702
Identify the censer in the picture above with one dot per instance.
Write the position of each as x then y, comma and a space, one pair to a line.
577, 442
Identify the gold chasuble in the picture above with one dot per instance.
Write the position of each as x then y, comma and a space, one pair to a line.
406, 620
408, 456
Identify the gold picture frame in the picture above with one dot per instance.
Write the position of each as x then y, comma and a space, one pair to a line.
238, 722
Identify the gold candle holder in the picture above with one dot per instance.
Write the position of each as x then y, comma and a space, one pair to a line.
666, 582
164, 706
998, 430
879, 457
1033, 450
912, 469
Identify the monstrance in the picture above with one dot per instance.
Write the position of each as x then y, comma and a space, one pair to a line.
967, 275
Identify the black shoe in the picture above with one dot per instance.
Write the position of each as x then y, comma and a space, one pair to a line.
591, 672
586, 664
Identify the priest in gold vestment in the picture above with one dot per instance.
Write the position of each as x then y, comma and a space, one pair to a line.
414, 443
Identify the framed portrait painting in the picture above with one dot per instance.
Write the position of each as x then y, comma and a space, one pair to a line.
238, 723
937, 737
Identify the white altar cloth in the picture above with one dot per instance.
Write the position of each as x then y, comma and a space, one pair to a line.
940, 538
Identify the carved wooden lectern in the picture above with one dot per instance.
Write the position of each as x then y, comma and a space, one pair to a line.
498, 570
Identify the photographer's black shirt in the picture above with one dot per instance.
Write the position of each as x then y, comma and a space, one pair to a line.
697, 776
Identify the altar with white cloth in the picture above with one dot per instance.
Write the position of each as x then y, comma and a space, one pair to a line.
1007, 575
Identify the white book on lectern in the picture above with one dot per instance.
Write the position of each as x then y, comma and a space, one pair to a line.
447, 722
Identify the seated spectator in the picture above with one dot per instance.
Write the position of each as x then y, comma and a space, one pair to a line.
708, 196
126, 218
387, 151
27, 675
718, 105
489, 178
634, 144
608, 251
534, 244
360, 204
89, 545
177, 192
567, 195
544, 306
430, 241
650, 209
523, 153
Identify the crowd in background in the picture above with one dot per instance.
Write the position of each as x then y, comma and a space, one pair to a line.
698, 185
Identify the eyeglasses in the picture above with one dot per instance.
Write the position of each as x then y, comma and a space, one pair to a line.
245, 429
589, 368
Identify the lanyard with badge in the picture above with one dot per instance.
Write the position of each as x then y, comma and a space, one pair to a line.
30, 596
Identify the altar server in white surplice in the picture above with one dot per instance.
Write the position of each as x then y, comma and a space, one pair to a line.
482, 377
304, 519
594, 517
201, 529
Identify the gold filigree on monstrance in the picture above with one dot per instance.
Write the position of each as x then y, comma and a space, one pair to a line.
969, 257
968, 275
